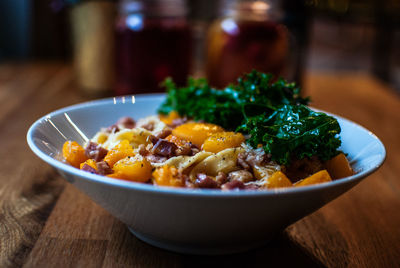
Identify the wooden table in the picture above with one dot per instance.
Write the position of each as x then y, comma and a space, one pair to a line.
45, 222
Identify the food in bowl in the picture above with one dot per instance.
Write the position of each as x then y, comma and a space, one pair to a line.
194, 221
256, 134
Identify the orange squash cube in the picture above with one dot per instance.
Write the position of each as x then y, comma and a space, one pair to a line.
196, 133
167, 176
130, 168
319, 177
222, 140
339, 167
73, 153
120, 151
278, 180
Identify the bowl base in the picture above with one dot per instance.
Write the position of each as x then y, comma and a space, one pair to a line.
197, 250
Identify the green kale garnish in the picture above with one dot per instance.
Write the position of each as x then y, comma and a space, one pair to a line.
294, 131
201, 102
272, 113
258, 90
253, 94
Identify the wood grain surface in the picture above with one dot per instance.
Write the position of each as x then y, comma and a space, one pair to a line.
45, 222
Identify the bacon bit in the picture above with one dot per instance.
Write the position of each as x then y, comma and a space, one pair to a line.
153, 139
164, 133
88, 168
221, 178
149, 126
183, 150
204, 181
232, 185
112, 129
95, 151
164, 148
142, 150
103, 168
126, 122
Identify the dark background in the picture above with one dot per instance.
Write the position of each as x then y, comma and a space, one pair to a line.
337, 35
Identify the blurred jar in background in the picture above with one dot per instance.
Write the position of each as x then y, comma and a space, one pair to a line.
248, 36
93, 40
153, 41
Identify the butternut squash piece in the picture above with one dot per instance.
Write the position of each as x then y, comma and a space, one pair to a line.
278, 180
73, 153
196, 133
169, 119
130, 168
89, 162
167, 176
319, 177
120, 151
222, 140
339, 167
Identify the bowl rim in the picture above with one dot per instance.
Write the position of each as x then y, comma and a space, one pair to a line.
177, 190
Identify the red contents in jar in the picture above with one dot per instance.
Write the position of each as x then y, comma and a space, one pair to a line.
149, 50
236, 47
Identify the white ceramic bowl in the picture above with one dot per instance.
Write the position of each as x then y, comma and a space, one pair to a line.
196, 221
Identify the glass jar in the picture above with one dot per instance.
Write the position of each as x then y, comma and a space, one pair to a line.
248, 36
93, 46
153, 41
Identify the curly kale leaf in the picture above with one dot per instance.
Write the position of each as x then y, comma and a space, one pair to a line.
294, 131
272, 112
255, 93
201, 102
259, 88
